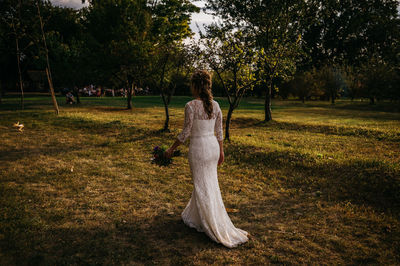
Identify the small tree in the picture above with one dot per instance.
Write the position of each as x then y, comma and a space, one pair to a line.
231, 56
274, 28
121, 42
278, 61
352, 79
170, 27
171, 65
376, 78
331, 80
303, 85
12, 19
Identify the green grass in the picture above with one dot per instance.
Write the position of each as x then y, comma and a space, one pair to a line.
318, 185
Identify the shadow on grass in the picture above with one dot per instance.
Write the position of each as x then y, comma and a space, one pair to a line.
389, 107
163, 240
324, 129
112, 109
351, 113
363, 182
41, 101
17, 154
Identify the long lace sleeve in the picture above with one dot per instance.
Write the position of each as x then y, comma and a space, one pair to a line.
187, 127
218, 125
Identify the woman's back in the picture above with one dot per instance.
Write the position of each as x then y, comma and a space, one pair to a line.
198, 123
199, 111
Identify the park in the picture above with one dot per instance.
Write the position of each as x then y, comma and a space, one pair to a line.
311, 132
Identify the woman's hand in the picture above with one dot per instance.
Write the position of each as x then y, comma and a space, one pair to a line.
168, 153
221, 157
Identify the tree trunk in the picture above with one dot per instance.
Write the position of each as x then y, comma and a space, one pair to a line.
1, 91
372, 100
76, 92
129, 96
21, 85
53, 96
48, 72
333, 98
166, 123
267, 104
162, 89
228, 122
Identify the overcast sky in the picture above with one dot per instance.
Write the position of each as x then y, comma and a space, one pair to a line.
199, 18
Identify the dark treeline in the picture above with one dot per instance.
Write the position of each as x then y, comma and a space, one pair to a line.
305, 49
322, 49
124, 44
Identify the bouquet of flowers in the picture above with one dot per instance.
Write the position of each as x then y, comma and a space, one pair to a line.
159, 157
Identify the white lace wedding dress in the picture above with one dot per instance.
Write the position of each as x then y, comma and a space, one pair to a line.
206, 211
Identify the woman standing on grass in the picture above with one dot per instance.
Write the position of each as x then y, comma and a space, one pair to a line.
206, 211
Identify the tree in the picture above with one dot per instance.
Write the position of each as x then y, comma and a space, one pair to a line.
173, 65
68, 45
338, 32
278, 62
352, 78
377, 78
121, 42
12, 20
23, 20
32, 23
48, 70
170, 26
303, 85
129, 35
330, 79
230, 56
274, 26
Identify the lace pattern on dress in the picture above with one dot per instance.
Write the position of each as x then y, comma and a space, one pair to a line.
206, 210
195, 110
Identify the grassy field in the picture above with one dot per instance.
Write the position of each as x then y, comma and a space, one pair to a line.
318, 185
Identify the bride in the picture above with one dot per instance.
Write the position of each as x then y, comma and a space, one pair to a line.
206, 211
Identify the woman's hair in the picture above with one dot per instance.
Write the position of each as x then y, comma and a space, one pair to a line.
201, 84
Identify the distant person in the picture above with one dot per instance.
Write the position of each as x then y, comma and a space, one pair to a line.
70, 98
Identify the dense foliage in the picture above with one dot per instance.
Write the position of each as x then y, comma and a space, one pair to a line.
311, 49
322, 49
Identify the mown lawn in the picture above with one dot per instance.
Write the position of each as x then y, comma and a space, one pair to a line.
318, 185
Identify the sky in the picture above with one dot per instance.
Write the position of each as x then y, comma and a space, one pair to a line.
199, 18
